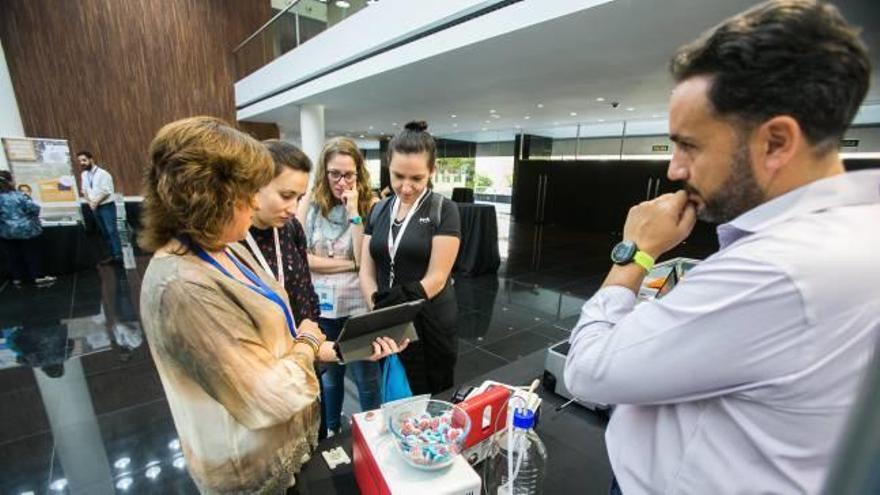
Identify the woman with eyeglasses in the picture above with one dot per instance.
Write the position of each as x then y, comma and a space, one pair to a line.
333, 220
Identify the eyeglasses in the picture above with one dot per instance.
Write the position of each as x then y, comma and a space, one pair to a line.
335, 175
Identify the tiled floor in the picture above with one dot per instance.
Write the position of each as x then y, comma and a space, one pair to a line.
82, 409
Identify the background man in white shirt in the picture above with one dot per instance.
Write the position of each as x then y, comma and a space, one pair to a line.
741, 379
97, 189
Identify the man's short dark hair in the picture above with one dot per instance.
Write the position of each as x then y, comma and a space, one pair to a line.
784, 57
87, 154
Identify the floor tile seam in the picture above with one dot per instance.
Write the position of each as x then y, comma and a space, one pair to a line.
477, 348
129, 408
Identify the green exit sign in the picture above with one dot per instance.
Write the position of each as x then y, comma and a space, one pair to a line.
660, 147
849, 143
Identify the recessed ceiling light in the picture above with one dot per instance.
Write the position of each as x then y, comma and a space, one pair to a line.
124, 483
394, 124
153, 472
630, 109
496, 116
485, 129
342, 4
361, 136
573, 114
600, 99
601, 120
492, 111
58, 485
527, 117
540, 105
370, 128
488, 121
453, 116
122, 463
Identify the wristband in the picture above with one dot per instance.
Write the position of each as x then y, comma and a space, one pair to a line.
644, 260
356, 220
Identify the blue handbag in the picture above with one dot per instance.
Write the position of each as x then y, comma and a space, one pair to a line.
395, 385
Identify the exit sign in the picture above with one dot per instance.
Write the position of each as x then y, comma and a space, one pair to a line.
849, 143
660, 147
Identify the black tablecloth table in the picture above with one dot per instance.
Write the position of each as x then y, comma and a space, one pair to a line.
478, 254
65, 250
577, 461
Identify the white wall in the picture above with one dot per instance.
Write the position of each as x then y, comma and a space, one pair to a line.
10, 118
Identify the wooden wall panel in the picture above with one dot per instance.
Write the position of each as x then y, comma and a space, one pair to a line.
107, 74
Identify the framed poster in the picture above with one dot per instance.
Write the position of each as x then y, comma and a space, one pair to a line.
42, 169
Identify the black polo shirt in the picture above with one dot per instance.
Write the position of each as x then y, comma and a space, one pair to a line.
414, 252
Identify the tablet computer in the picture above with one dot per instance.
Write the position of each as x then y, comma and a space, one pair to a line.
356, 338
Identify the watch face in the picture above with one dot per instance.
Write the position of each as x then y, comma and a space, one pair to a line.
623, 252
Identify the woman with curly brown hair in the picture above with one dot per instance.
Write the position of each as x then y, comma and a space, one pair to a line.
238, 373
333, 221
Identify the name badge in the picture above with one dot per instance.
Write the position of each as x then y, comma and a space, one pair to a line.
326, 300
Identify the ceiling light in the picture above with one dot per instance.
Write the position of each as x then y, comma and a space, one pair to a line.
540, 105
453, 116
484, 129
122, 463
174, 444
394, 124
492, 111
342, 4
179, 462
488, 121
601, 120
573, 114
454, 125
630, 109
496, 116
27, 493
600, 99
370, 128
58, 485
361, 136
125, 483
656, 115
527, 117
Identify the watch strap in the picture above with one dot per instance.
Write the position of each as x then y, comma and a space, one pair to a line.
644, 260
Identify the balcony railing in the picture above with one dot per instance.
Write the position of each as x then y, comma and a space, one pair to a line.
292, 26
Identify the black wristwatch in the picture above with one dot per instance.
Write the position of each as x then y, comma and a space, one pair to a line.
626, 252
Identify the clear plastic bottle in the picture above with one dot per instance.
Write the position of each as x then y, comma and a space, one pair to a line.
528, 463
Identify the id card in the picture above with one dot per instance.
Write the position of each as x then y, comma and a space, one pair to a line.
326, 300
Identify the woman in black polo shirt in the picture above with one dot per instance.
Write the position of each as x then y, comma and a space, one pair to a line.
411, 240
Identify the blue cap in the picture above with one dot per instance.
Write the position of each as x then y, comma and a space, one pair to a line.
523, 418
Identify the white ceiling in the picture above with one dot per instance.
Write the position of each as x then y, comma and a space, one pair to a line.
616, 51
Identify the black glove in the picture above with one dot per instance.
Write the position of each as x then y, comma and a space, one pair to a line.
399, 294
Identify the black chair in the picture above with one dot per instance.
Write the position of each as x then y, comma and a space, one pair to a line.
463, 195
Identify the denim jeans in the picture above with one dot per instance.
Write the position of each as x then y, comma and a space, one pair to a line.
105, 217
365, 373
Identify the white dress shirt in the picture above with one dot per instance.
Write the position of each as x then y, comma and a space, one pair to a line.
96, 182
741, 379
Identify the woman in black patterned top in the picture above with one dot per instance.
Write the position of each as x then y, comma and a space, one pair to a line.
274, 224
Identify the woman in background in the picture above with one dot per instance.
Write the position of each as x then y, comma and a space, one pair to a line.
333, 219
20, 231
410, 245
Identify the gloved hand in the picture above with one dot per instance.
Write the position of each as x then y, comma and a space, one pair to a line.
399, 294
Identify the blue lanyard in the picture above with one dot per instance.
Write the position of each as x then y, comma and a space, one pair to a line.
259, 286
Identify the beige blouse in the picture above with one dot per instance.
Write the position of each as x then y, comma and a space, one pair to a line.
244, 403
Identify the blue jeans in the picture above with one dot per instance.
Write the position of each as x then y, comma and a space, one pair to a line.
366, 376
105, 217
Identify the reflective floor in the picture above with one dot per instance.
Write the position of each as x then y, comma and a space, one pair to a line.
82, 408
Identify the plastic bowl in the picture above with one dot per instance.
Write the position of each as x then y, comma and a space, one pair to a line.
428, 433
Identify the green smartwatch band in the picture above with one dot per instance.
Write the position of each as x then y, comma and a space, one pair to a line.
356, 220
644, 260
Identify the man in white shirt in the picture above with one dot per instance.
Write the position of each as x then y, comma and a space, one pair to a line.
97, 189
741, 379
